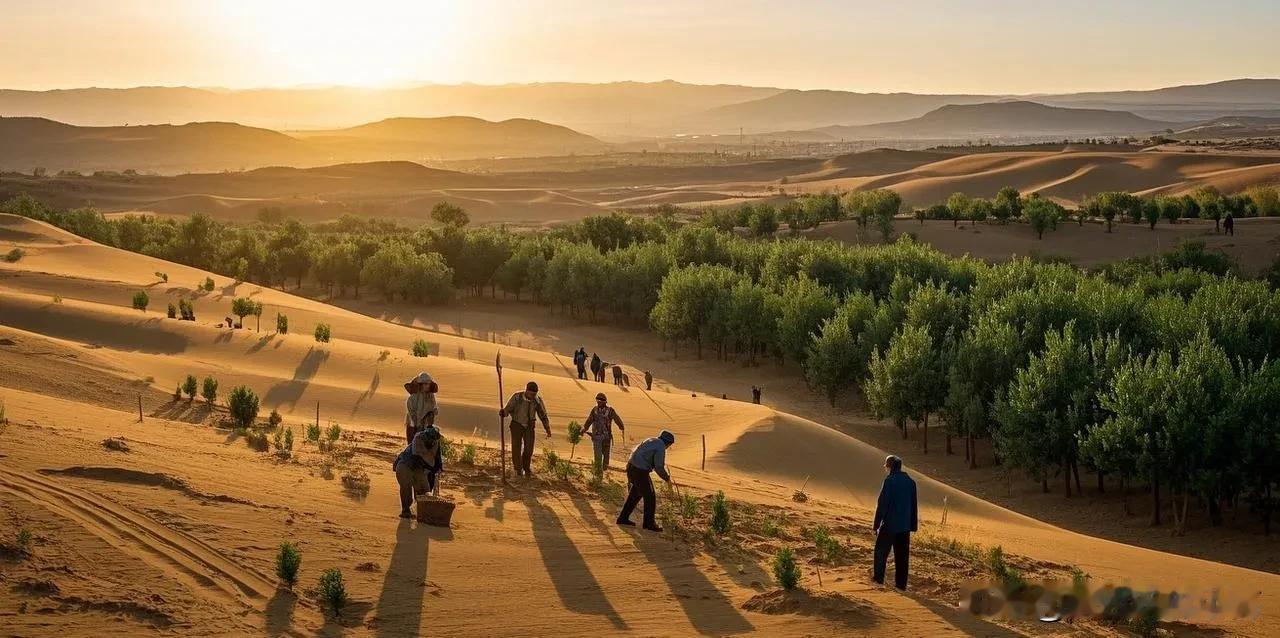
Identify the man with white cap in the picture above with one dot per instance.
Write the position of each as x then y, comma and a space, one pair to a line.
420, 408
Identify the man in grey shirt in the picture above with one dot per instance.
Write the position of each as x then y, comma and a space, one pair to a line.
649, 456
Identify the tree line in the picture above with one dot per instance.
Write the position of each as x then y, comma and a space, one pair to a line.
1159, 373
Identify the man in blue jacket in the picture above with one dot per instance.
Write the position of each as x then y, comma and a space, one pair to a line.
896, 517
649, 456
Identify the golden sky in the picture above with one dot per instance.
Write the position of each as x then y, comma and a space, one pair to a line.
978, 46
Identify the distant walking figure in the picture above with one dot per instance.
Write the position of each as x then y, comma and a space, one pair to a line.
599, 426
648, 381
580, 362
649, 456
896, 517
523, 408
597, 368
1229, 225
755, 395
617, 375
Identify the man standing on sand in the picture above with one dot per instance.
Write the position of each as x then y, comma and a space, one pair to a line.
755, 395
648, 381
420, 408
1229, 225
649, 456
896, 517
617, 375
580, 361
599, 426
523, 408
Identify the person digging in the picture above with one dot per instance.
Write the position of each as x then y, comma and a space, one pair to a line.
523, 408
649, 456
417, 467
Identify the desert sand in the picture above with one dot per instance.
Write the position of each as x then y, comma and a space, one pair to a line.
177, 534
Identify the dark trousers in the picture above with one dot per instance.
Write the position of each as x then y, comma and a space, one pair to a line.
413, 483
582, 372
641, 487
522, 447
900, 542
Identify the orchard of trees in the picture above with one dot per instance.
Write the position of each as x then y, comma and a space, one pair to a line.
1158, 374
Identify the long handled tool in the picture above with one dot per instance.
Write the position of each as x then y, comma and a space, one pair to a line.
502, 419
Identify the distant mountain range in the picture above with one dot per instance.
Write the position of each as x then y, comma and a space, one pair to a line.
1004, 119
28, 142
615, 111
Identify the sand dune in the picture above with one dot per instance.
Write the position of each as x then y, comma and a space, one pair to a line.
753, 452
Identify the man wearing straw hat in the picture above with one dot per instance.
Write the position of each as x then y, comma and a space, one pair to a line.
420, 408
599, 426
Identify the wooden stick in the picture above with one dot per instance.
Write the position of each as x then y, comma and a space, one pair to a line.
139, 407
502, 419
704, 452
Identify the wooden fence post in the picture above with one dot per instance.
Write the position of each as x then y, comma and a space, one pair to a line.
704, 452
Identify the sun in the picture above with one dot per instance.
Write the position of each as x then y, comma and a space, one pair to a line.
372, 43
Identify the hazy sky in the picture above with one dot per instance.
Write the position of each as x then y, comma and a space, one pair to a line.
987, 46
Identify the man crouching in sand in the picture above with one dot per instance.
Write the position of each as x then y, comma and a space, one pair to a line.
649, 456
896, 517
416, 467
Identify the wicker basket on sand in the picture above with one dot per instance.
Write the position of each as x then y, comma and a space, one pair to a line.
434, 510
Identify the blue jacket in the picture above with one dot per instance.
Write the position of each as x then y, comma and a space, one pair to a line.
413, 455
651, 455
896, 508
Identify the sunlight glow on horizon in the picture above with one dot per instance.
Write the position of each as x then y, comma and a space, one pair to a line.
926, 46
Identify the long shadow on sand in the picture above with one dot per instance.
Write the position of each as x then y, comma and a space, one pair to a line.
280, 612
288, 392
577, 587
398, 611
708, 609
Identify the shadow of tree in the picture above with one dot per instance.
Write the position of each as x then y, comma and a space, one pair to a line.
287, 393
184, 411
279, 612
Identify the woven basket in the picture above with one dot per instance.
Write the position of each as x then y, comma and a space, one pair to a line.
434, 510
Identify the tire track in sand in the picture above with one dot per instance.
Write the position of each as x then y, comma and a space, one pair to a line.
206, 571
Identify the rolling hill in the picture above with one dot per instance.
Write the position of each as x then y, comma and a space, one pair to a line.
814, 109
29, 142
1003, 119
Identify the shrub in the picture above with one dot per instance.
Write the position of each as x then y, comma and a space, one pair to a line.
421, 348
1008, 575
244, 405
24, 540
274, 418
785, 570
829, 549
550, 459
208, 284
313, 432
332, 591
690, 506
333, 432
190, 386
469, 454
322, 333
1145, 620
448, 450
770, 526
57, 299
209, 390
575, 437
288, 561
186, 310
382, 356
282, 324
288, 439
173, 311
141, 300
162, 276
720, 522
14, 255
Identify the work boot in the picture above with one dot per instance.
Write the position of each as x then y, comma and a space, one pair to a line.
625, 522
653, 527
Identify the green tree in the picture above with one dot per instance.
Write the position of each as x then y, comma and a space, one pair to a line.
189, 387
1042, 215
1007, 204
958, 204
209, 390
805, 305
242, 307
985, 360
904, 378
838, 356
763, 221
141, 300
243, 405
450, 214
